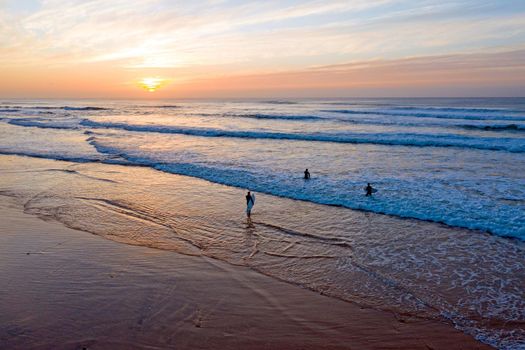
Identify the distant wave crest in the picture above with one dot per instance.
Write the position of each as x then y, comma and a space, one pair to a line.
276, 116
65, 108
457, 109
44, 123
401, 139
428, 115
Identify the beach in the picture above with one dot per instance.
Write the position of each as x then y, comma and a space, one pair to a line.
67, 289
440, 240
236, 284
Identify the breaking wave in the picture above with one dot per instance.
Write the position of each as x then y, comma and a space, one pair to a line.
399, 139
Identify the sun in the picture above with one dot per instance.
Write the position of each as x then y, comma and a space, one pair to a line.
152, 84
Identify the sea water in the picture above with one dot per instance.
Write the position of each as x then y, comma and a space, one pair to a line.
456, 161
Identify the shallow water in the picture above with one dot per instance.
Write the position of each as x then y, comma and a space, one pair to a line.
472, 279
456, 161
65, 289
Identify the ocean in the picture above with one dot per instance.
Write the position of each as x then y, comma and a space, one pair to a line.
443, 236
456, 161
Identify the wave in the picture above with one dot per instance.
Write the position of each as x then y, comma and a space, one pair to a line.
40, 107
287, 187
498, 127
397, 122
505, 127
486, 127
65, 108
279, 102
68, 108
360, 103
427, 115
458, 109
399, 139
9, 110
516, 145
35, 107
44, 123
275, 116
162, 106
52, 156
261, 116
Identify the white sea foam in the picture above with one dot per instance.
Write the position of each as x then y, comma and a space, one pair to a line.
401, 139
445, 170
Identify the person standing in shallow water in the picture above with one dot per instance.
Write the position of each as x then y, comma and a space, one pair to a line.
306, 174
250, 201
368, 189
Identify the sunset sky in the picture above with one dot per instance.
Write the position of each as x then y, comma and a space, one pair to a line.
220, 48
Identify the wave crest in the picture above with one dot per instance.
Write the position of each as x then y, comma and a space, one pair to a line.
400, 139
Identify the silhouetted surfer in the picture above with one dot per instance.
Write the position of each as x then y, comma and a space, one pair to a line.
250, 202
369, 190
306, 174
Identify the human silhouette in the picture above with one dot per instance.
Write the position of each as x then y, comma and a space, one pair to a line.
250, 202
306, 174
368, 190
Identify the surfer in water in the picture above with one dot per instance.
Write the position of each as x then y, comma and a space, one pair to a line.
250, 201
306, 174
368, 190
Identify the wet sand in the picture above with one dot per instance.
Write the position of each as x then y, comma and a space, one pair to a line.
66, 289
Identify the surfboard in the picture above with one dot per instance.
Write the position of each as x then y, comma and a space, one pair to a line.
251, 204
373, 190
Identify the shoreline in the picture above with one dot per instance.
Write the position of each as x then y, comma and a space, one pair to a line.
336, 257
66, 289
362, 210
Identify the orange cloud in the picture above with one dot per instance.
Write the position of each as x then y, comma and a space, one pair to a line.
422, 75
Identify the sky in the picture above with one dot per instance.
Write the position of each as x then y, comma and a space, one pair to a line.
250, 49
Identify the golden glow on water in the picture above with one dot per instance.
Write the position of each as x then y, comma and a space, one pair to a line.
152, 84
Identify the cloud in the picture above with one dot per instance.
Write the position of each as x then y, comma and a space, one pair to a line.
153, 33
497, 73
189, 41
